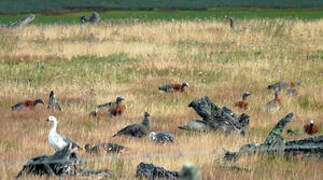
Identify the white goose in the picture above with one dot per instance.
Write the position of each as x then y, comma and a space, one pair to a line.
57, 141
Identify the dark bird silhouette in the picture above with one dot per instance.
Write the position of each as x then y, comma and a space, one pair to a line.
311, 128
161, 137
273, 105
136, 130
231, 23
117, 108
244, 103
53, 103
30, 104
179, 87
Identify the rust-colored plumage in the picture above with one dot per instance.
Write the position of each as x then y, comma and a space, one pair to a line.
96, 114
30, 104
175, 87
311, 128
244, 103
117, 108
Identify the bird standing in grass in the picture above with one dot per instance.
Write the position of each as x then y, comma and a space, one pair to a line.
53, 103
30, 104
175, 87
311, 128
161, 137
57, 141
137, 129
244, 103
273, 105
117, 108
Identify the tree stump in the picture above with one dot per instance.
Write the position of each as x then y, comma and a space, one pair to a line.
61, 163
219, 118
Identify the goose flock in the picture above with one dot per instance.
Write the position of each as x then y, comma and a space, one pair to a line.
142, 129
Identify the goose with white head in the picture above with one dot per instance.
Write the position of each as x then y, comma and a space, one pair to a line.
57, 141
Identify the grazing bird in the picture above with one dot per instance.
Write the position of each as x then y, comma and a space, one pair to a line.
231, 23
283, 84
161, 137
96, 113
27, 104
179, 87
53, 103
244, 103
136, 130
273, 105
58, 142
311, 128
117, 108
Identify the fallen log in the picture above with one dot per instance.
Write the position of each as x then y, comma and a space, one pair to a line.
275, 143
61, 163
217, 118
23, 22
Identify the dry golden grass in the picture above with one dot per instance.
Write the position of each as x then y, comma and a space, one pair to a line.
92, 64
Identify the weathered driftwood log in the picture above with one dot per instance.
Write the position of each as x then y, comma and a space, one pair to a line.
150, 171
217, 118
63, 162
24, 21
275, 143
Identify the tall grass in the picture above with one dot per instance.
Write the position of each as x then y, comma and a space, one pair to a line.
91, 64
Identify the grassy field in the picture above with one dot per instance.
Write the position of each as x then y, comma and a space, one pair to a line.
21, 6
61, 17
87, 65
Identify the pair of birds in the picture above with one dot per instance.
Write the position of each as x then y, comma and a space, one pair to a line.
114, 108
272, 105
31, 104
142, 129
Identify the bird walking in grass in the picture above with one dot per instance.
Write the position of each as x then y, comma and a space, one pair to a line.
29, 104
161, 137
137, 129
57, 141
311, 128
273, 105
244, 103
175, 87
53, 103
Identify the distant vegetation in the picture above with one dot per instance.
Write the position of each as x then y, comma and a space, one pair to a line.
129, 16
22, 6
